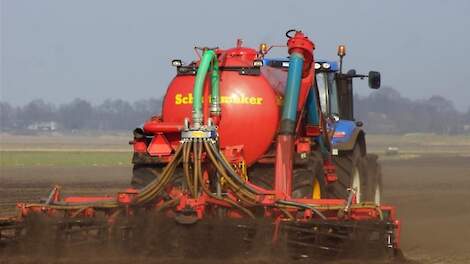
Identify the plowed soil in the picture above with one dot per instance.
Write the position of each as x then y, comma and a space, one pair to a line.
432, 194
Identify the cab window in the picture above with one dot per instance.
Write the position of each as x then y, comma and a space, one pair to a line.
322, 85
333, 91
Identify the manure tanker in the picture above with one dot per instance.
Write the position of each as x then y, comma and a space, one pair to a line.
246, 142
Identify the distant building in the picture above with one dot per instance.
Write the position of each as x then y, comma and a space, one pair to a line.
43, 126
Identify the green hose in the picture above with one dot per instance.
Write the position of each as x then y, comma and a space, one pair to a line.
215, 89
208, 57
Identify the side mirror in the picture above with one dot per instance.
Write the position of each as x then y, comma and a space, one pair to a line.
138, 133
374, 79
352, 72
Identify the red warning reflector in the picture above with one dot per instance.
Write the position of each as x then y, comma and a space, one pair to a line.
159, 146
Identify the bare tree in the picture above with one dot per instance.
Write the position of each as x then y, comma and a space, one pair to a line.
76, 115
36, 111
8, 115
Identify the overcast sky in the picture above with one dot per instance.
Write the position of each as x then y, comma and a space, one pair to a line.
98, 49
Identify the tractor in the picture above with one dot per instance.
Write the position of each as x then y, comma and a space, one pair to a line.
258, 145
337, 161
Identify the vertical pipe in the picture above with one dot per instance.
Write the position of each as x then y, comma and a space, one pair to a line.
291, 97
204, 65
285, 139
206, 105
215, 89
312, 109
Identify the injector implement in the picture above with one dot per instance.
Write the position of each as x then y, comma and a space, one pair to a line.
241, 137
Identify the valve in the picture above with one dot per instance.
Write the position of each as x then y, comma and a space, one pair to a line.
299, 43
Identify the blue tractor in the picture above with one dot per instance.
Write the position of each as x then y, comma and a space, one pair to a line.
356, 170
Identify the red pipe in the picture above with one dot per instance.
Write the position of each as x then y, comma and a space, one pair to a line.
284, 166
303, 47
154, 127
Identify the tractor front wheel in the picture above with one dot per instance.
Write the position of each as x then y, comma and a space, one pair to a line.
351, 169
374, 173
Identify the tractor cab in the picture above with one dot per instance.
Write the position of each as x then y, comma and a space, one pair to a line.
325, 82
335, 97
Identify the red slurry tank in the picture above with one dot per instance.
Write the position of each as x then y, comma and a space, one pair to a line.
250, 101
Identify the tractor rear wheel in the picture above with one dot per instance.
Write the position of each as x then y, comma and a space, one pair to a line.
142, 175
351, 169
262, 175
308, 180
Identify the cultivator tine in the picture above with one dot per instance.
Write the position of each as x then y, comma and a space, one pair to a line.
53, 195
79, 230
10, 230
338, 237
352, 193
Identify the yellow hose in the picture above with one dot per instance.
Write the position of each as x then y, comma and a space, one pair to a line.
186, 157
227, 200
238, 189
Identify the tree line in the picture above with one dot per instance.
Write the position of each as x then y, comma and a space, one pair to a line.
383, 111
79, 114
386, 111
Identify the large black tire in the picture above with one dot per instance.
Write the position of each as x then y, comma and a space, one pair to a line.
142, 175
309, 182
351, 170
262, 175
374, 184
305, 178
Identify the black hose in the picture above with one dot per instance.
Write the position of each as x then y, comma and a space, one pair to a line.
236, 188
304, 206
154, 188
186, 159
230, 170
227, 200
196, 168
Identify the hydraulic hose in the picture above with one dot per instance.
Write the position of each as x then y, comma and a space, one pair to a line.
187, 173
286, 213
304, 206
197, 167
167, 204
227, 200
239, 187
245, 193
153, 189
97, 205
226, 164
242, 188
146, 194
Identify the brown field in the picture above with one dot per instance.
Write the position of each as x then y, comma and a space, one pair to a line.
58, 142
430, 191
